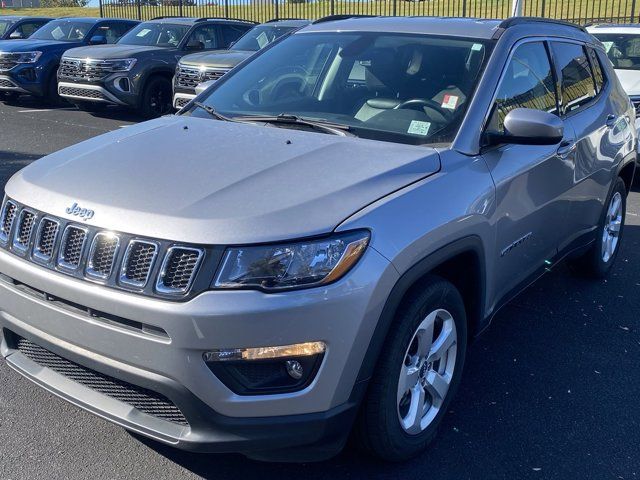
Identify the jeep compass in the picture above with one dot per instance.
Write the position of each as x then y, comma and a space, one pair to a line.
308, 248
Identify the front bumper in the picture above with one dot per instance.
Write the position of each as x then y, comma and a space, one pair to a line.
24, 78
115, 89
343, 315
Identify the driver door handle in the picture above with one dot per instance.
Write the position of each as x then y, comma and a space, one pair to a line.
566, 148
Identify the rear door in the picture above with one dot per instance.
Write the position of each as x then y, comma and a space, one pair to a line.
601, 130
531, 181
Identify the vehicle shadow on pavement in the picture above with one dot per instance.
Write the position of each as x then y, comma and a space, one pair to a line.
550, 391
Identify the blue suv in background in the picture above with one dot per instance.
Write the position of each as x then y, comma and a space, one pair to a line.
18, 28
29, 66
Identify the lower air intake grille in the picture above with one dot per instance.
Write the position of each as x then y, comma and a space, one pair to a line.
181, 102
146, 401
4, 83
81, 92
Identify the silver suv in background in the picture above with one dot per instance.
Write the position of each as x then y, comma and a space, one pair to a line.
308, 248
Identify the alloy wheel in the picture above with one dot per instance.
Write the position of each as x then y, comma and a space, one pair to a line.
612, 227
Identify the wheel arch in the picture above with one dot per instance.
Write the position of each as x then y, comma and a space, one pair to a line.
463, 264
627, 173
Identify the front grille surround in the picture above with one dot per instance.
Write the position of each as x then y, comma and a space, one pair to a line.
50, 233
172, 280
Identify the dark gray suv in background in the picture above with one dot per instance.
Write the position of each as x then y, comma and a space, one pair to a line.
136, 72
308, 248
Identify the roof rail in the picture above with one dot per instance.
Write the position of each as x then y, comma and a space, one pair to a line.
513, 21
283, 19
203, 19
166, 16
332, 18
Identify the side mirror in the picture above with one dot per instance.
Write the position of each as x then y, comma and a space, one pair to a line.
201, 87
15, 35
98, 40
525, 126
195, 45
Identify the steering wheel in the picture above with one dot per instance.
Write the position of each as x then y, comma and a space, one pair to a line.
426, 103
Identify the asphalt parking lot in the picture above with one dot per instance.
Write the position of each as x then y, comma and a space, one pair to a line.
550, 390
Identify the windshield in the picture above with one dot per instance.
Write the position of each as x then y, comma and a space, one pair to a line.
63, 31
622, 49
261, 36
155, 35
395, 87
4, 26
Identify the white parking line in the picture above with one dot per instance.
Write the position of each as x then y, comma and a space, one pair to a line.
46, 110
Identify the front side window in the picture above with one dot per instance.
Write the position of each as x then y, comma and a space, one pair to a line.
622, 49
4, 26
112, 32
153, 34
64, 31
528, 82
204, 38
261, 36
577, 83
394, 87
231, 33
27, 28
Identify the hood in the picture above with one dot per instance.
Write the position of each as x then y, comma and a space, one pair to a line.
105, 52
31, 45
630, 80
216, 58
206, 181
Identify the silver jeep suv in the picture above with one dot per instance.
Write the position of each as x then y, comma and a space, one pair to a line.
308, 248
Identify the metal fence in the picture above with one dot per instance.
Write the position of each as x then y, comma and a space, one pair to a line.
579, 11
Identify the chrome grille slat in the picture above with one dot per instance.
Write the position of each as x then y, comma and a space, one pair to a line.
190, 77
117, 260
84, 69
24, 230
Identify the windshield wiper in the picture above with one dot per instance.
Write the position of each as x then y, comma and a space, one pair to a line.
212, 111
290, 119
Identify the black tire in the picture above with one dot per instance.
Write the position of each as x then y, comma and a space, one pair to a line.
156, 98
90, 106
378, 429
594, 263
51, 97
9, 97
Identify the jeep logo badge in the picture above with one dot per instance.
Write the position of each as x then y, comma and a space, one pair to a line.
84, 213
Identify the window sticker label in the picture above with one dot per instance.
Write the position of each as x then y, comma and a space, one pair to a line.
419, 128
450, 102
143, 33
57, 33
476, 47
262, 40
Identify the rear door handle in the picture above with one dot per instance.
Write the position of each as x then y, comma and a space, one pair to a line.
566, 148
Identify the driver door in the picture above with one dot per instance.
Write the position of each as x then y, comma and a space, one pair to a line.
531, 181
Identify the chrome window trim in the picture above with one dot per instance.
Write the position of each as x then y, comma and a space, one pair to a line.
160, 286
36, 254
122, 279
15, 244
61, 262
90, 272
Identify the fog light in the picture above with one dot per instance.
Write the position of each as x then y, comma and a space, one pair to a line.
267, 370
294, 369
265, 353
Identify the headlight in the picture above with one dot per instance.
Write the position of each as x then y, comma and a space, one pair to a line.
293, 265
122, 65
22, 57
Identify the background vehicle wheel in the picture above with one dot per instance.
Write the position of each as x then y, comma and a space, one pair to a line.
90, 106
52, 97
417, 375
600, 257
157, 97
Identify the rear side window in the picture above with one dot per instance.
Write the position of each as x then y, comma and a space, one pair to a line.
528, 82
576, 80
231, 33
596, 66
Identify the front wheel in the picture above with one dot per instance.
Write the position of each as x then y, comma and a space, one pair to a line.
600, 257
156, 98
417, 375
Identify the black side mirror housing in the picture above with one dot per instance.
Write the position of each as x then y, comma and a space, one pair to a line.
195, 45
98, 40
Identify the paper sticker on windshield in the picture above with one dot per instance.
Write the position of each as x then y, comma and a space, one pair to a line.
263, 40
607, 46
419, 128
57, 33
143, 33
476, 47
450, 102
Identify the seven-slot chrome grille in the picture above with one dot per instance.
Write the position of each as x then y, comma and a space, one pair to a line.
115, 259
84, 69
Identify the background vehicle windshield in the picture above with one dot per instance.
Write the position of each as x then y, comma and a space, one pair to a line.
155, 35
260, 36
395, 87
622, 49
63, 31
4, 26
